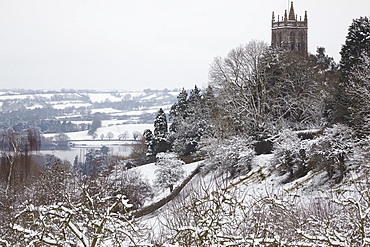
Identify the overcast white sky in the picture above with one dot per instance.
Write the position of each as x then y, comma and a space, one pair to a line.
138, 44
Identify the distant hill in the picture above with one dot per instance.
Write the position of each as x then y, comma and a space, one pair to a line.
53, 111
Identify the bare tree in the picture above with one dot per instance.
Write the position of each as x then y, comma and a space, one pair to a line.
92, 222
62, 140
124, 135
94, 136
238, 81
169, 171
136, 135
110, 135
259, 89
139, 151
14, 146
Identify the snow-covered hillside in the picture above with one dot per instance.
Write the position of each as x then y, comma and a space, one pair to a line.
148, 173
71, 105
260, 209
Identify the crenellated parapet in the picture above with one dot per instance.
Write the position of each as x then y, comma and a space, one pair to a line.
288, 32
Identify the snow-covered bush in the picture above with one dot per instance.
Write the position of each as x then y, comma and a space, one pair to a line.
331, 151
328, 152
132, 184
187, 138
290, 155
232, 156
59, 209
169, 170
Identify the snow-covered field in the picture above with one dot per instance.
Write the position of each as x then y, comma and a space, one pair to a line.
94, 97
81, 141
60, 106
115, 127
154, 109
122, 149
17, 96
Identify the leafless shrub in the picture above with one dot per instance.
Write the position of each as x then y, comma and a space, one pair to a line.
92, 222
232, 216
231, 157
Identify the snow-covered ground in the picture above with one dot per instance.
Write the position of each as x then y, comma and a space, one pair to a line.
148, 170
261, 183
115, 129
16, 96
81, 141
60, 106
151, 110
101, 97
105, 110
148, 173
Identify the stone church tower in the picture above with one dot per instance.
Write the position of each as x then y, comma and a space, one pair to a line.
290, 33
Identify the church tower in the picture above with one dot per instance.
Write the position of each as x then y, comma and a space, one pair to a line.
290, 33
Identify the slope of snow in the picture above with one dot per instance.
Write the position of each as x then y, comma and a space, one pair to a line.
148, 173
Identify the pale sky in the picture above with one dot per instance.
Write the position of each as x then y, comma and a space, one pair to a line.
139, 44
